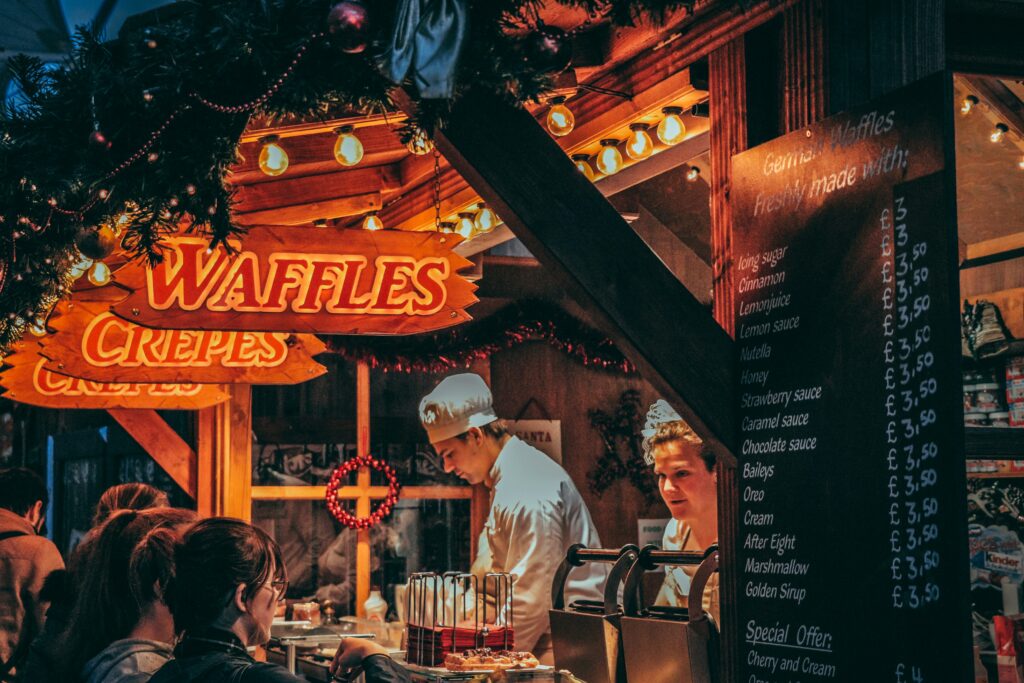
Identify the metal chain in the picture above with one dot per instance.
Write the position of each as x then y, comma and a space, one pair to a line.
437, 190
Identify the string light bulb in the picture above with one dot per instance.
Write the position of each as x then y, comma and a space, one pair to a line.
609, 159
560, 119
639, 145
320, 223
486, 220
671, 130
582, 162
348, 150
83, 264
38, 328
466, 225
968, 105
419, 144
999, 133
273, 159
446, 226
372, 222
99, 274
692, 173
1020, 164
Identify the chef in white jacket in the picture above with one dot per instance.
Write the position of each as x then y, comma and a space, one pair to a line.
536, 511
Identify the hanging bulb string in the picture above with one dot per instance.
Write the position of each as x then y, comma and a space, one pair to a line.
79, 213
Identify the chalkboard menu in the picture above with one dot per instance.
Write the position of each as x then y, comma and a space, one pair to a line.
852, 547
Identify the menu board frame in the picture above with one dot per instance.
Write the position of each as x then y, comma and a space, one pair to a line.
850, 561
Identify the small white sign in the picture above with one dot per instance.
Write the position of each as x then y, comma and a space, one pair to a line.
651, 531
544, 435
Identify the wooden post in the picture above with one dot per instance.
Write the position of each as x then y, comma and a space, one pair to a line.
224, 455
161, 443
566, 223
363, 577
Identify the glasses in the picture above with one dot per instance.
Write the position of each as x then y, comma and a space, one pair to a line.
279, 586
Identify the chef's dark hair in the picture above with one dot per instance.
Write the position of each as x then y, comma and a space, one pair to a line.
214, 557
495, 430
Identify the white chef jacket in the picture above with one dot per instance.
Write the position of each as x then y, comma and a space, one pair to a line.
536, 514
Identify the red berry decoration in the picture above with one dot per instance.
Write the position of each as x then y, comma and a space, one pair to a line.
349, 24
549, 49
99, 141
383, 510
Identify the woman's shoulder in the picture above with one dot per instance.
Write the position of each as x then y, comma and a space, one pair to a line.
677, 535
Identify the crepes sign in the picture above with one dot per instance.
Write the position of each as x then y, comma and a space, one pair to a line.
28, 381
287, 279
93, 343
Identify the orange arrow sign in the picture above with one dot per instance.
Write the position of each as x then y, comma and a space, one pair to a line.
92, 343
287, 279
27, 381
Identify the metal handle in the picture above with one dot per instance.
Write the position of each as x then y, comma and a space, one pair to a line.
652, 557
577, 556
627, 556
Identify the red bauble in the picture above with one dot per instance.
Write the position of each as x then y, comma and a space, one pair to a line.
349, 24
99, 141
549, 49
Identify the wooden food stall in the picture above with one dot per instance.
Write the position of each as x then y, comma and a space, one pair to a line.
701, 201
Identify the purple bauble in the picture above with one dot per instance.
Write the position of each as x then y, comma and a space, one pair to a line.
349, 24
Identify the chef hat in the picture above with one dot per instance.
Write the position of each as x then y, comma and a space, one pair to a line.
456, 404
659, 416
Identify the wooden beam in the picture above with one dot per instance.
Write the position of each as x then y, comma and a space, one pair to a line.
994, 250
289, 191
300, 214
362, 482
550, 206
162, 444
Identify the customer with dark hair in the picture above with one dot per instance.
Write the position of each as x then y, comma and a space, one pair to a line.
26, 559
121, 629
46, 660
130, 496
229, 577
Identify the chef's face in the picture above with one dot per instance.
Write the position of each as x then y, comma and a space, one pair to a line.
687, 487
462, 455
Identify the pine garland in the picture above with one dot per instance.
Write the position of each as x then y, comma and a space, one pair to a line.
149, 93
455, 348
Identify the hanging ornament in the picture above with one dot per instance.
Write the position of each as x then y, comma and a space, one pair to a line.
385, 506
99, 142
99, 274
549, 49
96, 243
349, 24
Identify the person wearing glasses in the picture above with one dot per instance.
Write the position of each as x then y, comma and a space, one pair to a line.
229, 578
120, 628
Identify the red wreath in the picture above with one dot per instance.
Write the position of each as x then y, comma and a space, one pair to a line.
385, 507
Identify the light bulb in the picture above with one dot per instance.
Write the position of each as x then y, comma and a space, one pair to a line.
99, 274
419, 144
273, 159
968, 105
560, 120
671, 130
446, 226
692, 173
486, 220
609, 160
320, 223
38, 327
78, 269
348, 150
639, 144
465, 226
1020, 164
373, 222
582, 162
999, 132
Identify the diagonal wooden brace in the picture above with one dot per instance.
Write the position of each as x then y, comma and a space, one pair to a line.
570, 227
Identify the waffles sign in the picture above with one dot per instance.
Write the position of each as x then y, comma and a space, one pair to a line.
28, 381
285, 279
94, 344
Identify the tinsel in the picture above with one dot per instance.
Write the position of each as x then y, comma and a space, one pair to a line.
621, 431
518, 323
172, 94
